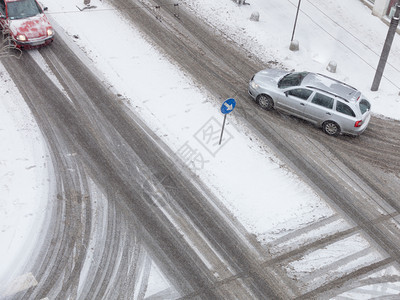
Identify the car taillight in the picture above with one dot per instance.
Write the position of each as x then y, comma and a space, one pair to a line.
358, 123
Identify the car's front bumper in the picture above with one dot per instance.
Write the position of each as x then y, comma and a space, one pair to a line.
34, 43
252, 91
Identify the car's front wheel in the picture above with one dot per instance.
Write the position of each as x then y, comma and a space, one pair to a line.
331, 128
265, 102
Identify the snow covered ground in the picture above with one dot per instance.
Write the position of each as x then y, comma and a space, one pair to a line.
341, 30
25, 180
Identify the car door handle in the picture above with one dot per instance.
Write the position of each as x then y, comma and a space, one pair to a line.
302, 104
328, 113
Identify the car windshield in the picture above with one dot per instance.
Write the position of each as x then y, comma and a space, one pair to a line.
23, 9
292, 79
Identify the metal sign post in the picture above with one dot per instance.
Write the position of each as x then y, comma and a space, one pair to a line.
226, 108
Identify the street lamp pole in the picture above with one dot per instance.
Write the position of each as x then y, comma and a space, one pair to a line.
386, 48
295, 21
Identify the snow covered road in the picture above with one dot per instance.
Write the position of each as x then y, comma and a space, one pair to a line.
295, 234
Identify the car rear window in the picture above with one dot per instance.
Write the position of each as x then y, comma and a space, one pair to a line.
344, 109
323, 100
364, 106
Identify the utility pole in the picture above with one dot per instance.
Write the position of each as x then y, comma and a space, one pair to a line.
295, 20
386, 48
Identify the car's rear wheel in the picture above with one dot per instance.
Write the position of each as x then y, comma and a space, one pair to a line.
265, 102
331, 128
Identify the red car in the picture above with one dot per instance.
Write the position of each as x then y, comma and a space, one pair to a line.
25, 22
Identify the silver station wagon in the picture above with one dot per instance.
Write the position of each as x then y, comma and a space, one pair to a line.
326, 102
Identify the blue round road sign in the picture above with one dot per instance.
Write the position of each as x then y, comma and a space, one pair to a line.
228, 106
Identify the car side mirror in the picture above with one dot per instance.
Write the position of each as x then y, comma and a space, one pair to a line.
43, 7
287, 93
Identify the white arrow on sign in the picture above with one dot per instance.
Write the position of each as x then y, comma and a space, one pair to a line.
228, 106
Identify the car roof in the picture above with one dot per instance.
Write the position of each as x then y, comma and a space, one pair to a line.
332, 86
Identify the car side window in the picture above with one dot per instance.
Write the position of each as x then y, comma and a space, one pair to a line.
300, 93
344, 109
323, 100
2, 7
